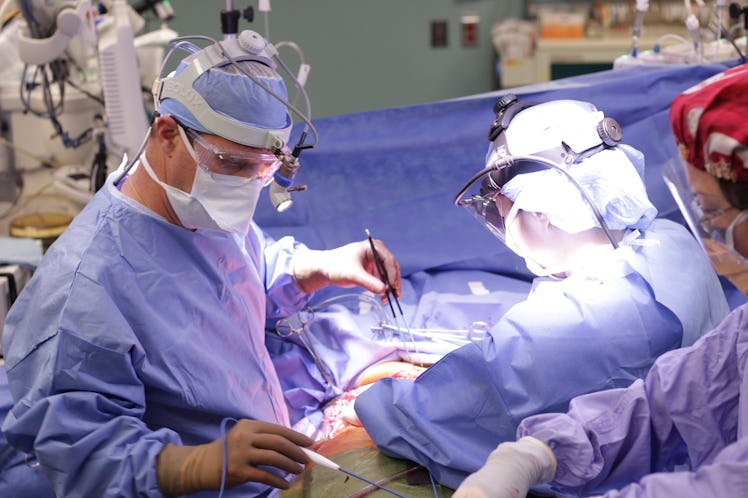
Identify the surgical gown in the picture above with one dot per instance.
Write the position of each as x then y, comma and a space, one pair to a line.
600, 328
19, 477
689, 414
135, 333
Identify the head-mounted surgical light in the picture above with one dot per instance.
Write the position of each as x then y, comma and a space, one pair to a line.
504, 166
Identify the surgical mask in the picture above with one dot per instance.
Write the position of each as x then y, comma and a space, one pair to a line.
225, 203
729, 237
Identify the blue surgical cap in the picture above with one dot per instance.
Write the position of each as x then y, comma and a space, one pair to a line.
230, 92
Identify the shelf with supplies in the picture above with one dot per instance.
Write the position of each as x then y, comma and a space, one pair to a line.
555, 58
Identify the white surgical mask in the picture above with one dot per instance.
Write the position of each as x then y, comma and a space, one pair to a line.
225, 203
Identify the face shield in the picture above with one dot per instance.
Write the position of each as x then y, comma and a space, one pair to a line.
492, 208
711, 218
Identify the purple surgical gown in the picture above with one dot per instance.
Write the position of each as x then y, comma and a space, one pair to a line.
681, 432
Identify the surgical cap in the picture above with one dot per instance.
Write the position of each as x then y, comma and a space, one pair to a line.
230, 92
611, 178
710, 125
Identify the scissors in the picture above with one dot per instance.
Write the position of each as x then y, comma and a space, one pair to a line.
298, 324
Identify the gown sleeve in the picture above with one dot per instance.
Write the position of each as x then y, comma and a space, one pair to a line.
679, 432
284, 297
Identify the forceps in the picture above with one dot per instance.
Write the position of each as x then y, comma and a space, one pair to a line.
390, 294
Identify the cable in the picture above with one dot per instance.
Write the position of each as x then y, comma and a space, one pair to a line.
183, 42
303, 72
224, 469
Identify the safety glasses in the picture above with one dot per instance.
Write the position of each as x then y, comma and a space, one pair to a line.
245, 163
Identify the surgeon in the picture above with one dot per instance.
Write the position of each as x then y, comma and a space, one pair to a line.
707, 125
689, 414
136, 353
616, 288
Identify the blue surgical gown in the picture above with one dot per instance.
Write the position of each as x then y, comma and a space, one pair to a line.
19, 477
134, 333
689, 415
600, 328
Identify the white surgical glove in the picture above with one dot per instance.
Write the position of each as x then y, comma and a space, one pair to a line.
510, 471
347, 266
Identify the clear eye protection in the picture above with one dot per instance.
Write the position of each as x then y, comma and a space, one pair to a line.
246, 163
710, 218
488, 210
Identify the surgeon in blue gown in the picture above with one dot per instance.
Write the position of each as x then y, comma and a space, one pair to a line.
140, 338
616, 288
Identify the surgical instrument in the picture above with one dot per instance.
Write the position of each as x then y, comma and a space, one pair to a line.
385, 278
389, 293
287, 327
326, 462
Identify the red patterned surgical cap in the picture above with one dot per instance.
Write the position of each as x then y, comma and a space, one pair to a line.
710, 123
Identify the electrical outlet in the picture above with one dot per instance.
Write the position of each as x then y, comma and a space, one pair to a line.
439, 33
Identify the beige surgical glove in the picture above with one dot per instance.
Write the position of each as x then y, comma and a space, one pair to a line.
510, 471
184, 470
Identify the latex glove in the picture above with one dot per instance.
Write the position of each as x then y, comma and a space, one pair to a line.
510, 471
183, 470
347, 266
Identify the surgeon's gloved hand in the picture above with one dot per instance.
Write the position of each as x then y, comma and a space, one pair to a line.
510, 471
347, 266
184, 470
